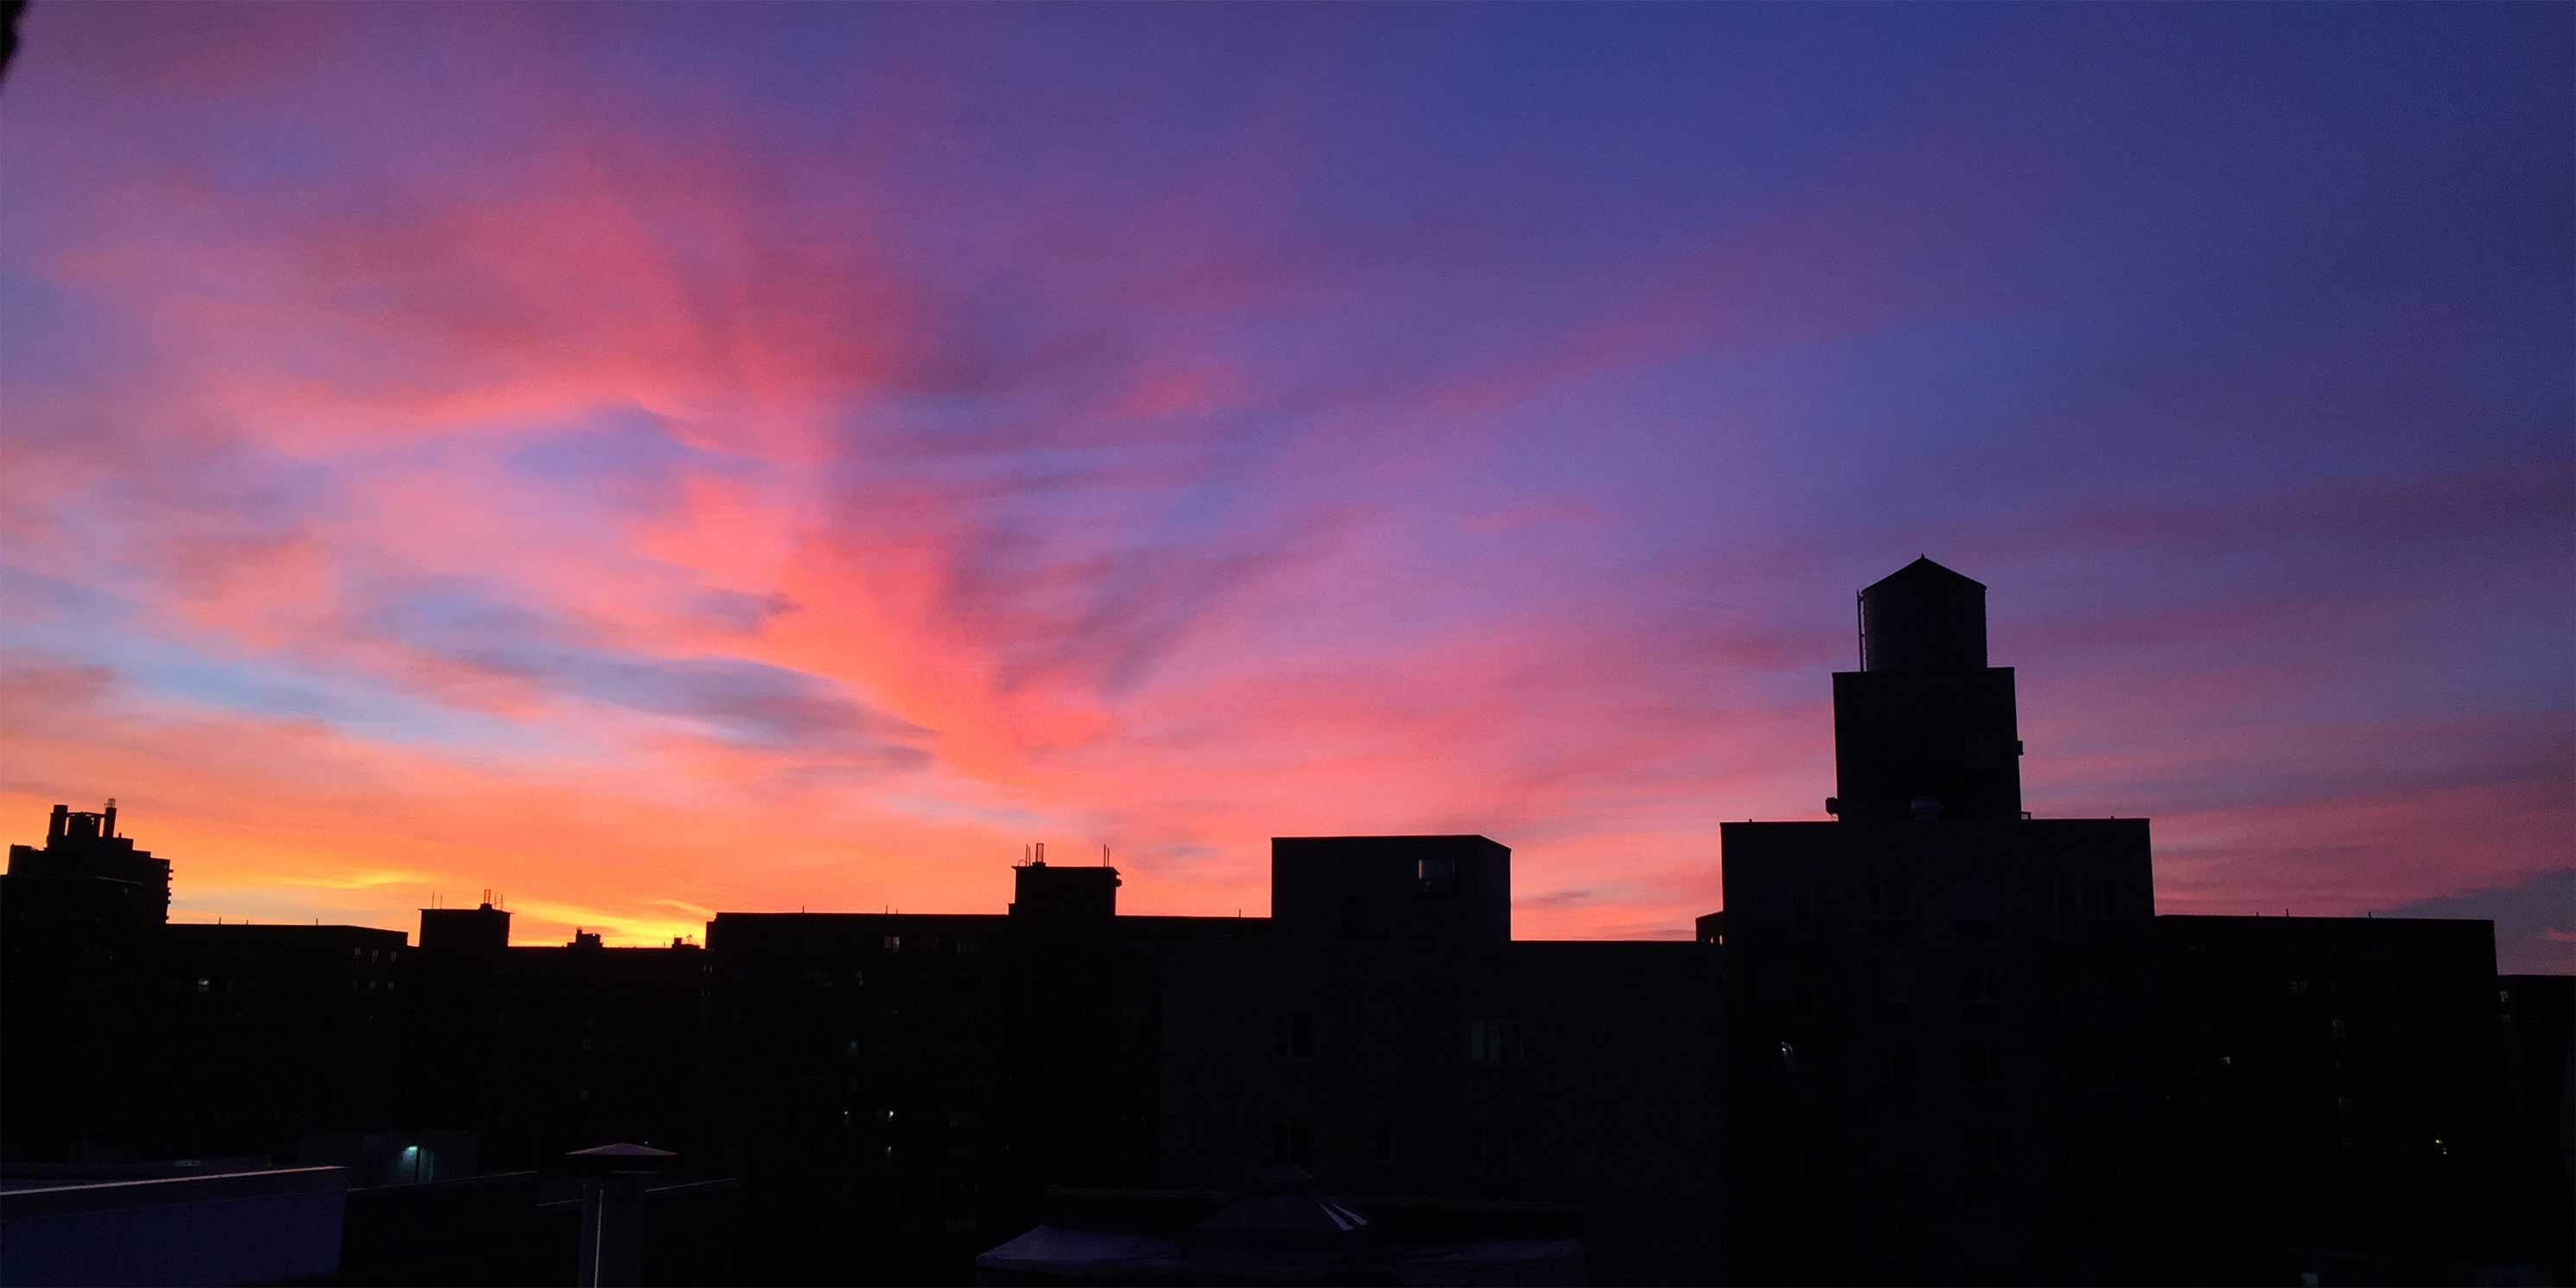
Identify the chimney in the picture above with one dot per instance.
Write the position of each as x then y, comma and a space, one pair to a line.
107, 824
54, 827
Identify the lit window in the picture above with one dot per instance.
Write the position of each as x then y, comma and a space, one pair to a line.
2338, 1028
205, 985
1434, 874
2298, 988
893, 944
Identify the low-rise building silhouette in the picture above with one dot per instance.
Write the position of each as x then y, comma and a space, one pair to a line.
1933, 1039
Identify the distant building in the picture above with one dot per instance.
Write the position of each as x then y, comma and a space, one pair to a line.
1934, 997
87, 875
77, 923
2335, 1094
1400, 889
480, 931
2537, 1014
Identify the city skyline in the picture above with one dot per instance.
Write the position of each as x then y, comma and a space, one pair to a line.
649, 463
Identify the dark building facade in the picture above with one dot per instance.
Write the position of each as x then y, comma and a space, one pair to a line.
1932, 1040
2538, 1016
1937, 998
2337, 1099
1406, 889
78, 923
1925, 728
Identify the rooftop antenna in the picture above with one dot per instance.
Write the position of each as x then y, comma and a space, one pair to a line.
1104, 854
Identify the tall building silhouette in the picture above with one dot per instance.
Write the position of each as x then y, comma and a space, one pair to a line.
1925, 727
1935, 997
86, 875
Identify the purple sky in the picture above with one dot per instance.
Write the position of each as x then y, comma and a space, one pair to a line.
654, 458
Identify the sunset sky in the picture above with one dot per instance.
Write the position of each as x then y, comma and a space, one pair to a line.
651, 459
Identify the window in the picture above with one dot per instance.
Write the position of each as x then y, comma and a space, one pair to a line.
1896, 1064
2337, 1029
1973, 902
1978, 1066
892, 944
1495, 1153
1293, 1036
1985, 1152
2103, 900
205, 985
2298, 988
1980, 985
1435, 874
1494, 1042
1890, 898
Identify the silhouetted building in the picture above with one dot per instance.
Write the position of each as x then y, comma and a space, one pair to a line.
2537, 1015
1933, 995
1925, 728
1932, 1040
1585, 1074
77, 923
936, 1072
86, 880
1071, 895
1413, 889
2335, 1100
482, 930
